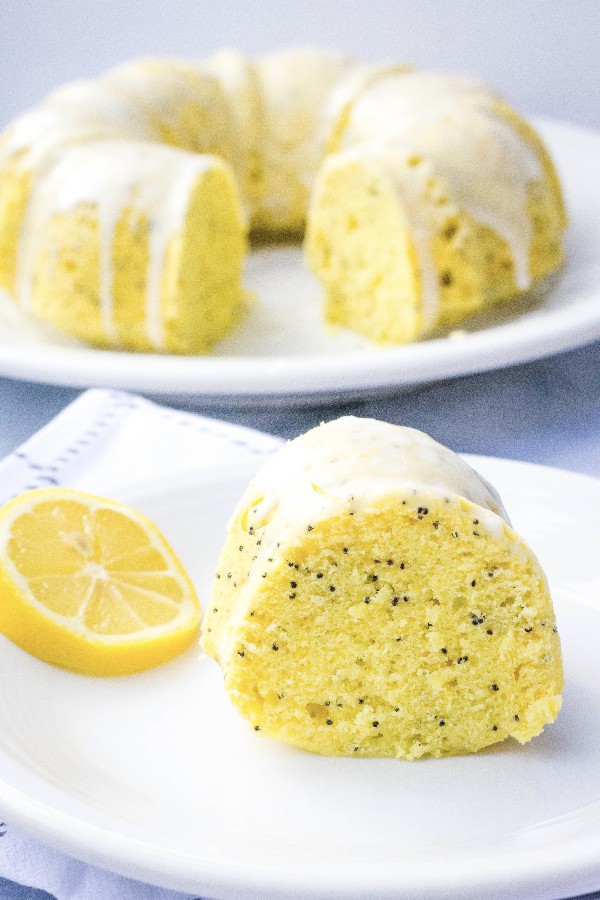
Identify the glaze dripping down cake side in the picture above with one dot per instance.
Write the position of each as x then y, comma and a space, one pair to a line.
373, 600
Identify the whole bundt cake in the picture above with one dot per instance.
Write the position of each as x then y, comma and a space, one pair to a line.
372, 599
126, 200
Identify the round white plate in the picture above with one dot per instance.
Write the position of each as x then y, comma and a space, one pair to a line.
281, 352
156, 776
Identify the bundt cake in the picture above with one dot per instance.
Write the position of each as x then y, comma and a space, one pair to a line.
125, 201
372, 599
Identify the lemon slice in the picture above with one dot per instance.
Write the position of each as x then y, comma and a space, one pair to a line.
91, 585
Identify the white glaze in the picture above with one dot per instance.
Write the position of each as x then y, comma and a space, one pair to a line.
77, 112
352, 463
340, 100
451, 125
161, 86
231, 68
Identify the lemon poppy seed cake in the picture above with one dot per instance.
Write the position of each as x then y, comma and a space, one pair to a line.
126, 200
372, 599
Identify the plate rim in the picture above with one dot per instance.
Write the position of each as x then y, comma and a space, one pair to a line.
230, 379
575, 867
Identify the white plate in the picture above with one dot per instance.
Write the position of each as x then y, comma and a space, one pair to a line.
156, 776
282, 353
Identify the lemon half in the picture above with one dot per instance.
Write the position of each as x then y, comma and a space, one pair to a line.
91, 585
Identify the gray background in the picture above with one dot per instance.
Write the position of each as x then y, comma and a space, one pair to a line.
542, 54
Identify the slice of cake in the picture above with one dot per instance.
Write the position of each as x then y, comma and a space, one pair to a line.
372, 599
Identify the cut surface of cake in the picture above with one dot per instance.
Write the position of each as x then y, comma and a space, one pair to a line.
372, 599
424, 197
